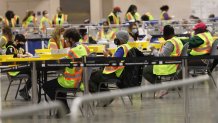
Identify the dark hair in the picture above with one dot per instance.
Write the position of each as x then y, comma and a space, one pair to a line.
29, 13
144, 18
199, 30
211, 16
82, 30
168, 31
20, 38
7, 31
73, 34
164, 8
9, 14
44, 12
131, 8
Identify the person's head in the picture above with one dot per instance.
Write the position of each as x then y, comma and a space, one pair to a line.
211, 16
144, 17
132, 9
19, 40
56, 34
59, 11
168, 32
122, 37
164, 8
117, 10
9, 14
6, 31
28, 14
45, 13
71, 36
200, 28
82, 30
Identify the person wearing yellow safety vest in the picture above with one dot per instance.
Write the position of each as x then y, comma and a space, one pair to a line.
164, 15
16, 48
60, 18
71, 77
173, 48
132, 14
6, 36
85, 38
10, 19
111, 72
45, 22
105, 33
133, 31
114, 17
56, 41
29, 20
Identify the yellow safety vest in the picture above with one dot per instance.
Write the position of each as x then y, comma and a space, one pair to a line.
13, 22
85, 39
3, 37
115, 18
136, 17
109, 36
72, 76
149, 16
204, 48
43, 22
53, 45
29, 20
56, 20
14, 73
166, 69
117, 69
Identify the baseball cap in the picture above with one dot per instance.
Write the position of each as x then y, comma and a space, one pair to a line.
123, 36
200, 25
117, 8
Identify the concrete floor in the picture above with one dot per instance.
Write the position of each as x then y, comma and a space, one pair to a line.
148, 110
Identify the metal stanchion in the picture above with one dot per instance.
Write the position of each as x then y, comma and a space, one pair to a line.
185, 91
34, 83
0, 95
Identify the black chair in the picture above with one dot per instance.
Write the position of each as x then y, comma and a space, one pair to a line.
201, 70
174, 76
12, 79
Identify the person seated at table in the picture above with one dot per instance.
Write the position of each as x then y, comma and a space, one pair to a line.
16, 48
200, 43
105, 33
111, 72
56, 41
172, 47
133, 31
71, 76
85, 39
6, 36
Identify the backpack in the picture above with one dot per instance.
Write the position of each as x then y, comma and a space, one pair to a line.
131, 75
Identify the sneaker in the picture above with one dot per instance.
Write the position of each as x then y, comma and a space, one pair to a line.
25, 95
161, 94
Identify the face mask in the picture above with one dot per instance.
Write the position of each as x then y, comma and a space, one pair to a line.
20, 45
61, 37
118, 13
134, 31
116, 41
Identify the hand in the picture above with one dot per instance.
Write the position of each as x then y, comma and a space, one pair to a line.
152, 48
107, 53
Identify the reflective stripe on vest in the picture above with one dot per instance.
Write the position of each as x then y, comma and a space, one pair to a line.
7, 22
4, 46
57, 19
130, 17
84, 39
72, 76
116, 20
109, 36
14, 73
117, 69
167, 69
204, 48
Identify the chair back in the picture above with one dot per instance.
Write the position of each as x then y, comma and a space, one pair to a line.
185, 50
214, 50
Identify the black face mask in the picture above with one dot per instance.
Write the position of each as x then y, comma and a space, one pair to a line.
116, 41
20, 45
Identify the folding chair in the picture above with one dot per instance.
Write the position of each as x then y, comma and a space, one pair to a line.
11, 79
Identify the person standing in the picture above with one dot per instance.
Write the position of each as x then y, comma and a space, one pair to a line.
114, 17
132, 14
164, 13
45, 22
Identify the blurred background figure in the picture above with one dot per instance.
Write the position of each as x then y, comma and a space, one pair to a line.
11, 19
29, 20
5, 38
194, 19
164, 13
212, 18
132, 14
60, 18
85, 37
57, 41
147, 17
133, 31
45, 22
114, 17
105, 33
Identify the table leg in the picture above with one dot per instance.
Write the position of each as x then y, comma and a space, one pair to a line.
34, 83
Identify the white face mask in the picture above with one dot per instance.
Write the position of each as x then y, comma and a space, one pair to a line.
118, 13
62, 37
134, 31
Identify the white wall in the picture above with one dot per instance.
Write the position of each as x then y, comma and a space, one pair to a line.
179, 8
21, 6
